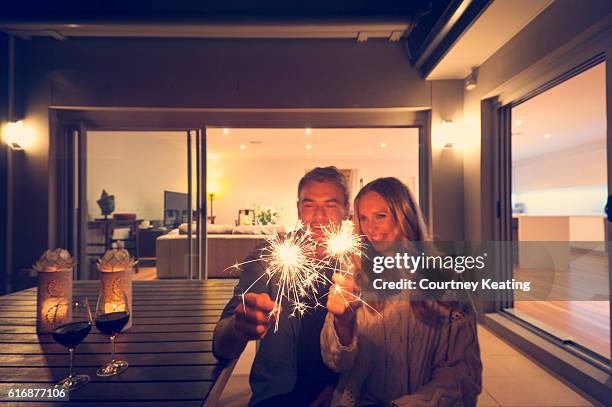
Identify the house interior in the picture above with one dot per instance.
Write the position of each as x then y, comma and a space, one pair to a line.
197, 130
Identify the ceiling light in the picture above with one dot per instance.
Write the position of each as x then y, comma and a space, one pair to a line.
383, 145
308, 130
225, 130
547, 135
242, 147
472, 79
518, 122
308, 146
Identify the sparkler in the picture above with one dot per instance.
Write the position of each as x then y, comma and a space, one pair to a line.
298, 274
292, 264
342, 243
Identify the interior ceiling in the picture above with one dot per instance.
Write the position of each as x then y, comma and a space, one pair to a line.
573, 113
354, 143
498, 23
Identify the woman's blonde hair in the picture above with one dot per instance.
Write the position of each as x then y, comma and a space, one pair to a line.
407, 214
402, 205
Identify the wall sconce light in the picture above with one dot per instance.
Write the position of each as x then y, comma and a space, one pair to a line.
472, 79
447, 133
15, 135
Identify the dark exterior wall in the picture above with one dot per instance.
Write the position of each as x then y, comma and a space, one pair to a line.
447, 163
226, 73
188, 73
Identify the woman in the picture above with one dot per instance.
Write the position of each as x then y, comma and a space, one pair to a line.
399, 351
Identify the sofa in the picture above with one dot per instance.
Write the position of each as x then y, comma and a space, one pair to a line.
225, 247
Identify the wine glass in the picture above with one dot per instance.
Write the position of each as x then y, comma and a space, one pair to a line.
112, 314
72, 322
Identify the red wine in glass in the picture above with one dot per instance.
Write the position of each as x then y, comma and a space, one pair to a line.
112, 323
70, 335
72, 322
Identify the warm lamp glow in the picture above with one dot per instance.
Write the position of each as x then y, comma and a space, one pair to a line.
15, 135
212, 187
447, 135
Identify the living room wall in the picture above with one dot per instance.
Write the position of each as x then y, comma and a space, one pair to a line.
547, 185
243, 183
135, 167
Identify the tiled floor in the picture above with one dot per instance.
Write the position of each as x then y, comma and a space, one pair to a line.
509, 379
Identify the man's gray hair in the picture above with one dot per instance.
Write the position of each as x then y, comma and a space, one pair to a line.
325, 174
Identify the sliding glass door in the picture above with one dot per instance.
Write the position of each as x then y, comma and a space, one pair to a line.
558, 185
139, 190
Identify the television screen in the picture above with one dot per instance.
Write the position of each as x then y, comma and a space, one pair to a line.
176, 208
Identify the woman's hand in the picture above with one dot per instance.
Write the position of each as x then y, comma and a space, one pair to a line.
342, 302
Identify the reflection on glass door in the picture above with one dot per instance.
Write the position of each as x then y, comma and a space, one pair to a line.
137, 195
559, 190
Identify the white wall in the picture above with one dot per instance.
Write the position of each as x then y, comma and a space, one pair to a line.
136, 167
243, 183
567, 182
585, 200
562, 169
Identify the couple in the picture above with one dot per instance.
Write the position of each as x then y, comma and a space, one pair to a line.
401, 353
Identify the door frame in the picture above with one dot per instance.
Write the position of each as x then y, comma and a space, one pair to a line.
197, 120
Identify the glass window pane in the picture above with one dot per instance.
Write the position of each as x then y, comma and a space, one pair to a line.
559, 190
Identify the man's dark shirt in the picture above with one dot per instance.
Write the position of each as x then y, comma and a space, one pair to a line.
288, 368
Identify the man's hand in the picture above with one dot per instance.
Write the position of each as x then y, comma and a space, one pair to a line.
342, 302
253, 317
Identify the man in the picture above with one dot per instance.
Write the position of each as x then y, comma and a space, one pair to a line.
288, 369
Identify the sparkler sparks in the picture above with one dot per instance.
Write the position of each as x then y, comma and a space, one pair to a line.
291, 265
342, 243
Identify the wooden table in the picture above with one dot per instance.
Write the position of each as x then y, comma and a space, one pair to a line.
168, 348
